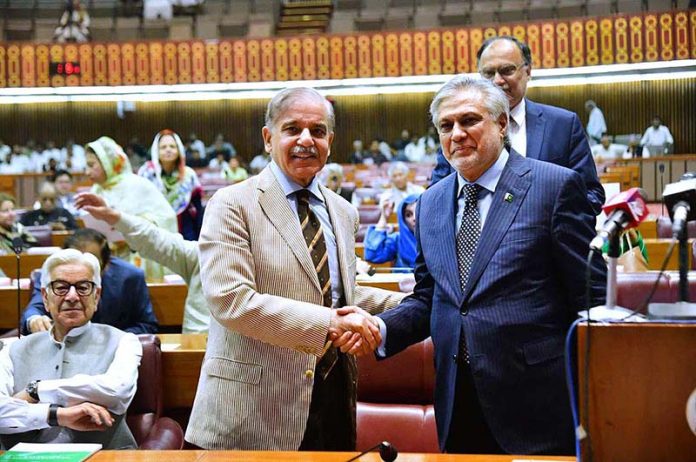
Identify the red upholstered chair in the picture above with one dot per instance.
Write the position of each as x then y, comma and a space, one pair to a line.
369, 214
664, 228
632, 288
42, 234
150, 429
395, 400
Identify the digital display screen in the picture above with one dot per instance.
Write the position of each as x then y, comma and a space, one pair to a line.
66, 68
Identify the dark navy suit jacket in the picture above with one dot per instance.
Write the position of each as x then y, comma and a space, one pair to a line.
125, 300
553, 135
525, 288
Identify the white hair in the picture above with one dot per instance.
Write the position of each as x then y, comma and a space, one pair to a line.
398, 167
493, 97
70, 256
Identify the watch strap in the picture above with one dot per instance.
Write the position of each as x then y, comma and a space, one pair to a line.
53, 414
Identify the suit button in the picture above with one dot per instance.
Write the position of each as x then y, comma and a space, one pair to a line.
309, 373
465, 311
454, 358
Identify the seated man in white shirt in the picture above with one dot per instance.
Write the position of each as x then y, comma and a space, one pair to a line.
657, 138
73, 383
607, 150
400, 186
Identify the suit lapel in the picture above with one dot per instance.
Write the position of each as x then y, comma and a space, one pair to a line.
515, 181
277, 209
535, 129
430, 223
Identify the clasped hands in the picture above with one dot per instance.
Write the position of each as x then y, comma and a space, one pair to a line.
354, 331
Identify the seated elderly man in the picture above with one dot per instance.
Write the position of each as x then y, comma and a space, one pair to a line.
401, 187
125, 301
49, 212
73, 383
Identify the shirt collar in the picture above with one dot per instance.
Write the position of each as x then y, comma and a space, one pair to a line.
291, 187
519, 112
490, 178
74, 332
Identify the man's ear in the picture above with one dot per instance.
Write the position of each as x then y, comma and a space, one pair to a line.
266, 133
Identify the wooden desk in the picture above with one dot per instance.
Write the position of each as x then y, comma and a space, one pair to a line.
640, 376
28, 263
8, 306
182, 357
654, 181
167, 303
388, 281
657, 250
294, 456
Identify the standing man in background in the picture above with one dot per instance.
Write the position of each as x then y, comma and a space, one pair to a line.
277, 254
596, 125
537, 131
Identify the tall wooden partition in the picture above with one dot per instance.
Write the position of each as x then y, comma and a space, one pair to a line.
640, 376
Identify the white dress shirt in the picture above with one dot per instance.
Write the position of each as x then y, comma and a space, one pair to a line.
318, 206
657, 136
517, 131
114, 389
596, 126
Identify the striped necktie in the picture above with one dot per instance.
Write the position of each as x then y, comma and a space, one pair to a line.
314, 237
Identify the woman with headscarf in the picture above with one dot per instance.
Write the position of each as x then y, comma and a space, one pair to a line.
167, 170
382, 246
110, 170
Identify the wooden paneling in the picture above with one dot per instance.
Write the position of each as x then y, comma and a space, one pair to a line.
640, 376
628, 108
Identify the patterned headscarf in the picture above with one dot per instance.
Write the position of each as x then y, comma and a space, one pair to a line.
113, 160
181, 185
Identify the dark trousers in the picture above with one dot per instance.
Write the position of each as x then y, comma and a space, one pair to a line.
330, 422
469, 433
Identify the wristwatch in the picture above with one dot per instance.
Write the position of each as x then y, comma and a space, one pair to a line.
32, 389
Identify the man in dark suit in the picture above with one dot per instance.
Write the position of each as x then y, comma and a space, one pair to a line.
537, 131
499, 279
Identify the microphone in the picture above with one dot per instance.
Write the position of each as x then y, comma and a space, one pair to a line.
18, 246
680, 199
661, 168
387, 452
624, 211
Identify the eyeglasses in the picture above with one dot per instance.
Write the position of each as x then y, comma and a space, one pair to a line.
83, 288
504, 71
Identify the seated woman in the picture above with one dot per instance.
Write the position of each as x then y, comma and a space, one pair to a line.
10, 228
382, 246
167, 170
110, 170
233, 172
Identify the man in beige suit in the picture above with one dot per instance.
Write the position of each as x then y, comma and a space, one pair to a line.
269, 380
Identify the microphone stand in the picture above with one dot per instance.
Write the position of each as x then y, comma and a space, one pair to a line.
683, 265
19, 306
613, 252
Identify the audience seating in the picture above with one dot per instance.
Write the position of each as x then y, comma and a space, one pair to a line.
42, 234
664, 228
395, 400
150, 429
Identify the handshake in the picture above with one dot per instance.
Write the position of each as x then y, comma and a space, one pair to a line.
354, 331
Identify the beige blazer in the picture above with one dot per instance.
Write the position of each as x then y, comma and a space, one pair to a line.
268, 327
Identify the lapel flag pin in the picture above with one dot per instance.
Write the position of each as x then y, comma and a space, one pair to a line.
508, 198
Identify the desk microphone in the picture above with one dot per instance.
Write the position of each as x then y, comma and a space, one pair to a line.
18, 246
387, 452
624, 211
